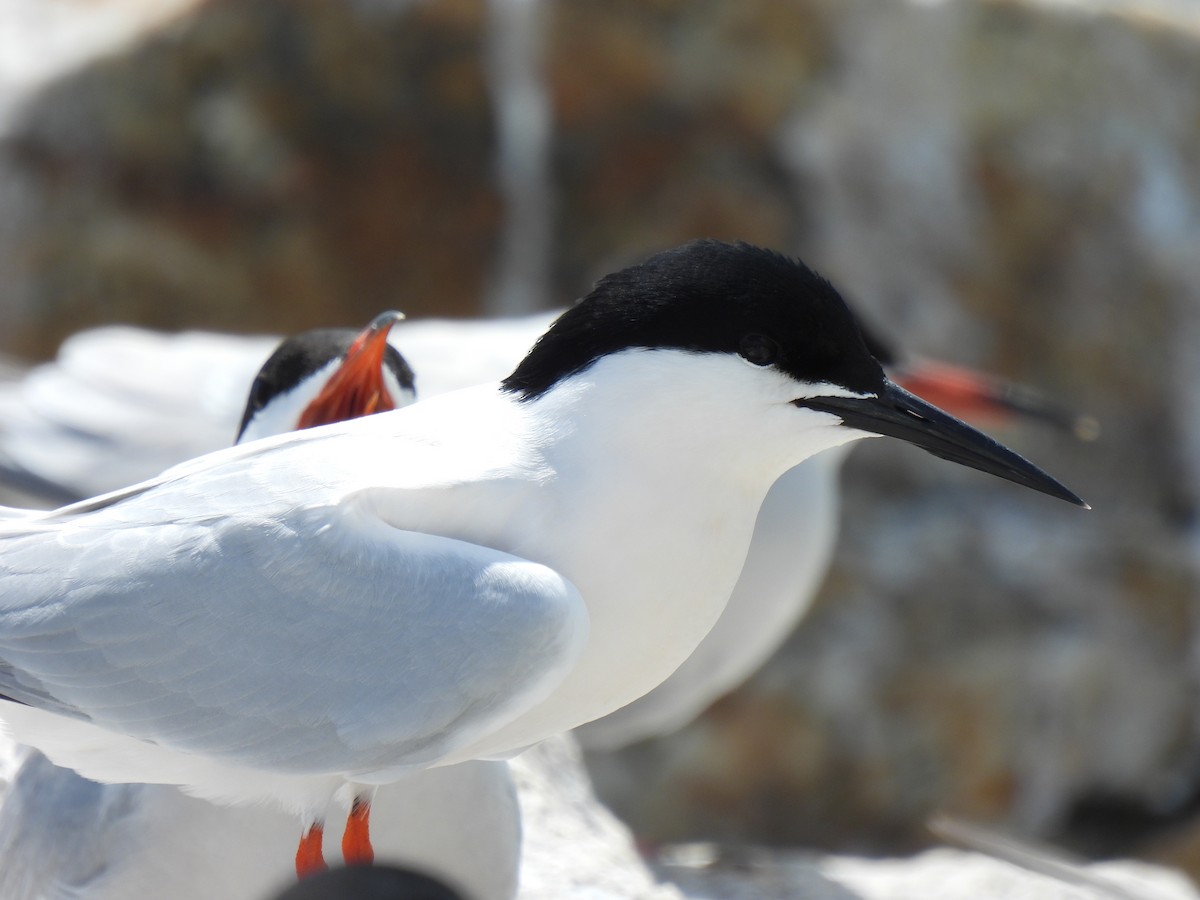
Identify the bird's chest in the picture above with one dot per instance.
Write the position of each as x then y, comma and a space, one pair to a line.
655, 569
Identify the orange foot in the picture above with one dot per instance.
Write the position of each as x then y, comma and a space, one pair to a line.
356, 840
310, 859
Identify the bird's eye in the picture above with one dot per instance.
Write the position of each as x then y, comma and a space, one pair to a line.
758, 349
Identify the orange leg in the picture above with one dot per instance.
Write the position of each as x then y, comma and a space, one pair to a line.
356, 840
310, 859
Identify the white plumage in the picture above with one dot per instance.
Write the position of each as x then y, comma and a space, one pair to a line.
61, 834
458, 579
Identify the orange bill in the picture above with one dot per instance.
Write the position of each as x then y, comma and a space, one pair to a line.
357, 388
987, 401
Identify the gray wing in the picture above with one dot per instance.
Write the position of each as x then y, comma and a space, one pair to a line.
319, 640
58, 831
120, 404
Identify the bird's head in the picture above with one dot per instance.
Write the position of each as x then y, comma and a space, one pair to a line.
765, 333
328, 375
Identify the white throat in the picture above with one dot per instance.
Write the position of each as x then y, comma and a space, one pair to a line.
671, 496
283, 412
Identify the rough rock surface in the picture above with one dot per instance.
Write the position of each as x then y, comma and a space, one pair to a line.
935, 873
575, 850
572, 846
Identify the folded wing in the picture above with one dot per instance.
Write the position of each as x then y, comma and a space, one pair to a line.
316, 640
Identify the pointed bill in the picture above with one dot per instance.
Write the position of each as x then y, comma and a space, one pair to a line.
357, 388
897, 413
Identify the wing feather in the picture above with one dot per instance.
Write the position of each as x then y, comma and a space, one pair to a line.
336, 644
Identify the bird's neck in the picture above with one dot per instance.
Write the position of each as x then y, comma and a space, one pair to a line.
635, 417
652, 531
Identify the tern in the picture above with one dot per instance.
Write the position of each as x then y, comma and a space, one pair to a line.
327, 611
125, 841
146, 383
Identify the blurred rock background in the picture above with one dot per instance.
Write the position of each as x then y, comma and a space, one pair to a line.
1010, 184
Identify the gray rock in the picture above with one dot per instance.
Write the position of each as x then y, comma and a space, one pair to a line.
935, 873
573, 848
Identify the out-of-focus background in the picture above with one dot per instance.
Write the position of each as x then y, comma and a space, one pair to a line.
1009, 184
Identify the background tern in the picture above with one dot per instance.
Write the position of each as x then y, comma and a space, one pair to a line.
120, 404
460, 578
328, 375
